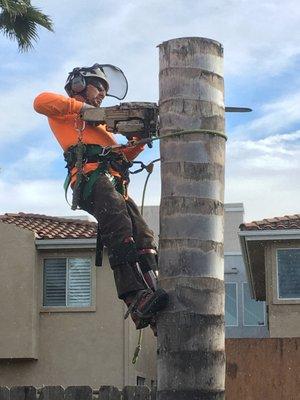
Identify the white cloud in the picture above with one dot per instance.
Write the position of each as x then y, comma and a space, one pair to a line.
263, 197
35, 196
276, 115
281, 146
36, 162
264, 174
18, 117
257, 44
254, 34
279, 153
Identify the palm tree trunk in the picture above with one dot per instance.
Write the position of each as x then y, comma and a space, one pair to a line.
191, 356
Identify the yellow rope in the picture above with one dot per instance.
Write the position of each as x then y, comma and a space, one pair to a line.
149, 169
190, 131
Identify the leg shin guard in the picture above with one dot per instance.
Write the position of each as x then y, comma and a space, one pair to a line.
148, 264
151, 279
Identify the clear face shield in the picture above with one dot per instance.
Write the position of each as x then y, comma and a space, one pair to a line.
118, 85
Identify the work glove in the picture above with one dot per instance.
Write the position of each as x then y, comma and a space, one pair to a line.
87, 107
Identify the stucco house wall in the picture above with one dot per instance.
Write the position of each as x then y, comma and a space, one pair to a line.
18, 294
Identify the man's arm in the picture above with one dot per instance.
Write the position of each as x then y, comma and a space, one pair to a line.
132, 152
56, 105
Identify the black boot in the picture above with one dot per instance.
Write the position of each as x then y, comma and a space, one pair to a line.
144, 305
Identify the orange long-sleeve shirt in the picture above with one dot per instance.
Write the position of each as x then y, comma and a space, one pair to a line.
62, 112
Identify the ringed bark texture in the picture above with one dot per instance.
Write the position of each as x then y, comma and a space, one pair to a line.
191, 355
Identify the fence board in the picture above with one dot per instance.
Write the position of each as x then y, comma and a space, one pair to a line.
22, 393
4, 393
78, 393
52, 393
153, 393
136, 393
108, 393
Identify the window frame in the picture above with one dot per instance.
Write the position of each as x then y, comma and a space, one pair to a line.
236, 303
243, 306
57, 309
286, 300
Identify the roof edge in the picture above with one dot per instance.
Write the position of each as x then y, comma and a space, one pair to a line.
270, 234
49, 244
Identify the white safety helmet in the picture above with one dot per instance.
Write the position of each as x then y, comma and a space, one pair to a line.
111, 77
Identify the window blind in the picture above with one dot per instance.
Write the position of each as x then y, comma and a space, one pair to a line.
79, 282
54, 282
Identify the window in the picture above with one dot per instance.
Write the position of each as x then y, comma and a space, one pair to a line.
140, 381
67, 282
231, 318
254, 311
288, 266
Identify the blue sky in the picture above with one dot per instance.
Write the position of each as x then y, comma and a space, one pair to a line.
261, 71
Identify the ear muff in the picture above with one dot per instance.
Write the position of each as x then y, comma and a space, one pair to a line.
78, 83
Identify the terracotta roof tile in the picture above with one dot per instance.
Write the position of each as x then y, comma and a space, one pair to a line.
46, 227
277, 223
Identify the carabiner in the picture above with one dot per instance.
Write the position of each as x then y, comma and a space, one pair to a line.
143, 166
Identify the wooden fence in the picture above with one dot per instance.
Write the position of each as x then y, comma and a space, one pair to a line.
77, 393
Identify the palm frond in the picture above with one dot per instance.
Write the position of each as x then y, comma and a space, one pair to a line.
14, 7
19, 20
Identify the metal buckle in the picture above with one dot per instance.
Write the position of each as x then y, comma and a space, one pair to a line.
105, 151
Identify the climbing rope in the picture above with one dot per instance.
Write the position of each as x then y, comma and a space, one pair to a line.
149, 168
190, 131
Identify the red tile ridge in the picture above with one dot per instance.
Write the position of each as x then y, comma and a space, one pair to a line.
48, 227
275, 223
47, 217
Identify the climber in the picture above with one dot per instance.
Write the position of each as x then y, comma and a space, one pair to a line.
99, 179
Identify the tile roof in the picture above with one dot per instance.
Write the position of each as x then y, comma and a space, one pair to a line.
276, 223
46, 227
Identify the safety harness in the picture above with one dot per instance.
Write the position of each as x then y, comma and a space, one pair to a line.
81, 154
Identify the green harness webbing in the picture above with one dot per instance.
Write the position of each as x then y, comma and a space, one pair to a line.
88, 183
92, 153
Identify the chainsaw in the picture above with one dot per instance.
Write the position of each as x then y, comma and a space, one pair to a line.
128, 119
